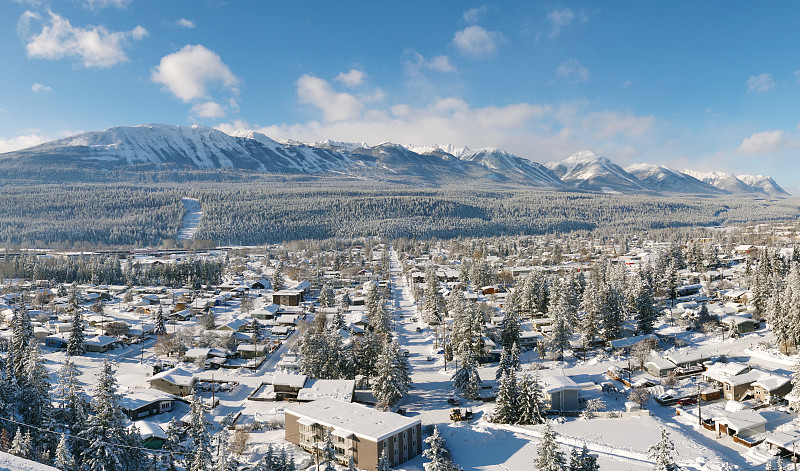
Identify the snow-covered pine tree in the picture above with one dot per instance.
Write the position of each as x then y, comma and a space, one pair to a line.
514, 360
201, 441
278, 281
76, 345
161, 325
327, 298
532, 408
36, 405
71, 406
174, 445
20, 446
390, 382
505, 364
611, 313
434, 302
662, 453
510, 333
338, 322
506, 409
21, 334
549, 457
583, 460
467, 380
437, 452
559, 336
105, 429
328, 453
351, 464
383, 462
64, 459
645, 310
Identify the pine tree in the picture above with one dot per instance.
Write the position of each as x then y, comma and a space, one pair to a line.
583, 460
532, 409
278, 282
36, 406
383, 462
161, 327
467, 380
437, 452
549, 458
105, 432
76, 345
351, 464
645, 311
327, 298
434, 301
559, 336
611, 313
661, 453
20, 445
328, 453
64, 459
506, 409
505, 365
392, 378
21, 334
338, 320
511, 327
201, 441
72, 407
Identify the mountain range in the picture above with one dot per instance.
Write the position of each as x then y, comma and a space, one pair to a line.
197, 147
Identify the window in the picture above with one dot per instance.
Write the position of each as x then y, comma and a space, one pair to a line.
395, 438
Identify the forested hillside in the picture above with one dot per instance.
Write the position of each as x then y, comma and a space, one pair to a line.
272, 211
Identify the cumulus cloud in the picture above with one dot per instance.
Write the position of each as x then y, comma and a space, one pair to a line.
92, 46
539, 131
351, 79
184, 23
189, 72
21, 142
476, 41
572, 71
209, 109
760, 83
334, 106
39, 88
765, 142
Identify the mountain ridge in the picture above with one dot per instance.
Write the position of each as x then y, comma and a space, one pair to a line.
204, 148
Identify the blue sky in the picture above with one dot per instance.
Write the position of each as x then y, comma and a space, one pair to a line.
700, 85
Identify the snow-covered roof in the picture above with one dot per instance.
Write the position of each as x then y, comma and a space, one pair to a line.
177, 376
288, 379
138, 399
742, 420
354, 418
558, 383
318, 388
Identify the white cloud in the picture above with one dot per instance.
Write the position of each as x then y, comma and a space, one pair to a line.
99, 4
572, 71
765, 142
39, 88
21, 142
472, 15
416, 63
209, 109
560, 18
189, 72
476, 41
334, 106
184, 23
760, 83
93, 46
351, 79
541, 132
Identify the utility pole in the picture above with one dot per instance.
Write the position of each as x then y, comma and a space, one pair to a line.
699, 409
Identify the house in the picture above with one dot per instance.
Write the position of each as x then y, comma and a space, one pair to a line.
153, 436
742, 325
627, 343
248, 350
737, 387
660, 367
102, 343
140, 404
562, 392
771, 387
196, 354
287, 297
174, 381
261, 284
742, 423
266, 313
718, 372
358, 431
56, 341
687, 359
236, 325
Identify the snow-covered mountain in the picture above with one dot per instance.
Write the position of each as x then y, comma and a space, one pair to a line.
178, 148
765, 183
666, 180
588, 171
725, 181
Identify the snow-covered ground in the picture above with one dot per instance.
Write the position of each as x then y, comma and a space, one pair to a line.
191, 219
